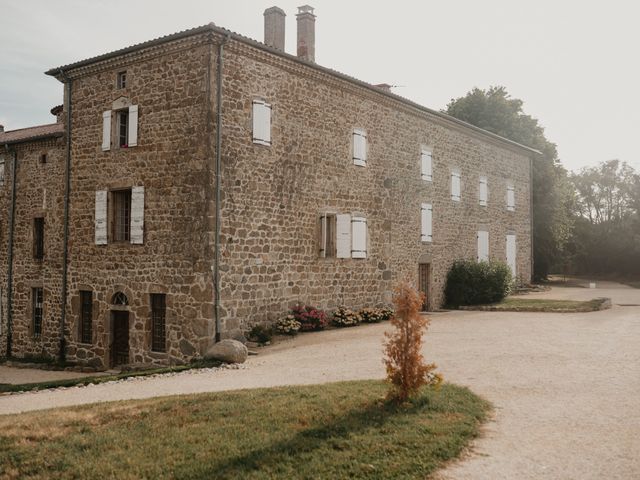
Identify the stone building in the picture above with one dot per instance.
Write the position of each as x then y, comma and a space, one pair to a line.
205, 154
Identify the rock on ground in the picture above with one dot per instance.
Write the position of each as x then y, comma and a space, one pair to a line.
229, 351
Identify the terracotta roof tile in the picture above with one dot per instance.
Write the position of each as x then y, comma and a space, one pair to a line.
32, 133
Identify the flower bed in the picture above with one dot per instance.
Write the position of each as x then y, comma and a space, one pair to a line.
310, 318
343, 317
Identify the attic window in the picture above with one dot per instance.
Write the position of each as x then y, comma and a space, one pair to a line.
122, 80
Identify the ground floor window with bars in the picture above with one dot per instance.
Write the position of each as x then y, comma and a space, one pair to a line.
121, 219
158, 322
37, 295
86, 316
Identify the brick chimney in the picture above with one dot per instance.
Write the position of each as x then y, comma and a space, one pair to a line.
58, 111
274, 27
306, 33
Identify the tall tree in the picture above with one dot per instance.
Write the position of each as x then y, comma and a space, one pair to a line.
494, 110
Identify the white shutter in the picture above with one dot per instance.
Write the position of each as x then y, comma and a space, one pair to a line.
261, 123
133, 126
484, 193
106, 131
358, 237
360, 147
426, 220
427, 167
511, 198
483, 246
101, 217
343, 236
1, 172
455, 186
511, 254
137, 215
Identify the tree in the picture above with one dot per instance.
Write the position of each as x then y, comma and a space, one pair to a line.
494, 110
406, 370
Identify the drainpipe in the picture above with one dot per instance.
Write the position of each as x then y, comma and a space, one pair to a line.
12, 220
216, 261
65, 241
532, 274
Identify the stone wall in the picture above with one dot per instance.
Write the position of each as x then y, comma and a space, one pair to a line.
173, 162
272, 197
39, 193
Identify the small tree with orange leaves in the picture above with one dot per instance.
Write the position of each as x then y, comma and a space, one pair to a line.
406, 370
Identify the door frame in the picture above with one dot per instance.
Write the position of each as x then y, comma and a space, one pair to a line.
426, 306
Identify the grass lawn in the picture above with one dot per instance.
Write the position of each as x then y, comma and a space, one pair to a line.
517, 304
334, 431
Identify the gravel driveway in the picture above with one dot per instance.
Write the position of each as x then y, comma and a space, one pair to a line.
566, 387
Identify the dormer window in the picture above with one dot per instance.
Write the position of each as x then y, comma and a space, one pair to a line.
122, 80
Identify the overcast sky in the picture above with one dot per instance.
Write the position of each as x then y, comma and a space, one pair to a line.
574, 63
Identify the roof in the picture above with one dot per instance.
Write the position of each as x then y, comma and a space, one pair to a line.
211, 27
32, 133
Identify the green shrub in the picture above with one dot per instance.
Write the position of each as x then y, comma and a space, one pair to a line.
260, 334
476, 283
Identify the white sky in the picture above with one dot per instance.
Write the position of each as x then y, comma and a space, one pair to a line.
574, 63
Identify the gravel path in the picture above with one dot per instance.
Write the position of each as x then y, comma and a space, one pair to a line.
566, 387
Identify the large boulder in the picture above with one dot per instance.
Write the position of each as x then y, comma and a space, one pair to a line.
228, 351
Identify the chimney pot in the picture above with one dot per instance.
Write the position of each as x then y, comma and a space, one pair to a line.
274, 27
306, 33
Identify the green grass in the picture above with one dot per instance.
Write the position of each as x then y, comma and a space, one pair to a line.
72, 382
516, 304
334, 431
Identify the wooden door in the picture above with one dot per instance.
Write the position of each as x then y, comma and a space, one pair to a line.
424, 277
120, 344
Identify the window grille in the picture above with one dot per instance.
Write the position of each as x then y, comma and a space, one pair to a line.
37, 299
86, 314
158, 322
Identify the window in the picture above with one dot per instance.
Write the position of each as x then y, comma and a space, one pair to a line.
38, 238
358, 237
483, 246
426, 217
261, 123
359, 147
126, 135
123, 128
1, 171
43, 158
122, 80
426, 165
86, 316
121, 220
327, 236
511, 198
455, 185
483, 193
158, 322
36, 310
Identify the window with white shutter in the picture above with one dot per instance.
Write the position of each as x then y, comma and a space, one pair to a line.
106, 131
2, 171
343, 235
359, 147
137, 216
511, 197
483, 192
455, 185
101, 217
261, 123
327, 239
483, 246
426, 165
511, 253
133, 126
359, 237
426, 213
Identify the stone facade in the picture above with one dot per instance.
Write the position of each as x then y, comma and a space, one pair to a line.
272, 197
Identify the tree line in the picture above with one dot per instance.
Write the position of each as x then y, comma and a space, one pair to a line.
586, 222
